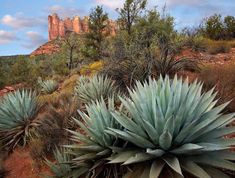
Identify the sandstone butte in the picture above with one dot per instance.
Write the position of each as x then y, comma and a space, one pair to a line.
58, 27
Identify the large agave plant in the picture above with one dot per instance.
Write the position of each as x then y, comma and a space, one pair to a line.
174, 128
92, 144
48, 86
94, 88
17, 111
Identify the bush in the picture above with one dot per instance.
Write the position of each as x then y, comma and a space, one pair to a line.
60, 67
92, 68
125, 72
215, 47
196, 43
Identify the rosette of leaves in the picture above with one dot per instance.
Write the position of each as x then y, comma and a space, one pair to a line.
17, 117
94, 88
92, 146
48, 86
174, 129
61, 168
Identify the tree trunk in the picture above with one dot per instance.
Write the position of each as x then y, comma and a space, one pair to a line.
71, 59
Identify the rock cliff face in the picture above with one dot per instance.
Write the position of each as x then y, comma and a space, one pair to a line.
58, 27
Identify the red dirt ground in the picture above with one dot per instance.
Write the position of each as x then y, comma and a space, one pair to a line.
21, 165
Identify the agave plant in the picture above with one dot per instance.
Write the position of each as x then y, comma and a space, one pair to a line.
94, 88
17, 112
92, 147
174, 128
48, 86
60, 168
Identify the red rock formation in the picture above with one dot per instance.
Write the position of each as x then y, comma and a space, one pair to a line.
58, 27
47, 48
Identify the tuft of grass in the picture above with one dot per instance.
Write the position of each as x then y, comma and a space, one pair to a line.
216, 47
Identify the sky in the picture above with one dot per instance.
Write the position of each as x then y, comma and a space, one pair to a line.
23, 23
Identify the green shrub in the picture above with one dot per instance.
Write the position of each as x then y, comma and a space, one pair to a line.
93, 88
196, 43
17, 114
60, 67
173, 127
215, 47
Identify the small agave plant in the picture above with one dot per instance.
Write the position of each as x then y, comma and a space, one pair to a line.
92, 146
60, 168
48, 86
17, 113
173, 128
94, 88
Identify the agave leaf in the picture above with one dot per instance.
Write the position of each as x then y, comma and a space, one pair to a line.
173, 162
212, 147
104, 152
156, 168
131, 137
146, 172
137, 158
87, 156
156, 152
194, 169
224, 142
89, 148
227, 154
127, 123
165, 140
123, 156
209, 118
217, 133
214, 161
152, 132
215, 173
186, 148
222, 121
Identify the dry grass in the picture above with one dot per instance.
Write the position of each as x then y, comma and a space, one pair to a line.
223, 77
216, 47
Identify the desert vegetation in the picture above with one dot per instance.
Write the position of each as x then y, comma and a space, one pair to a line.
129, 105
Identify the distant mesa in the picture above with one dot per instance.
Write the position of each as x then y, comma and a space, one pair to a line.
58, 27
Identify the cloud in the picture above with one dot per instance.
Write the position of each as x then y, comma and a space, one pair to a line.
35, 39
7, 37
64, 11
183, 2
111, 4
19, 21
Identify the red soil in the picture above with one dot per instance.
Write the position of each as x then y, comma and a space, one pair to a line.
21, 165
